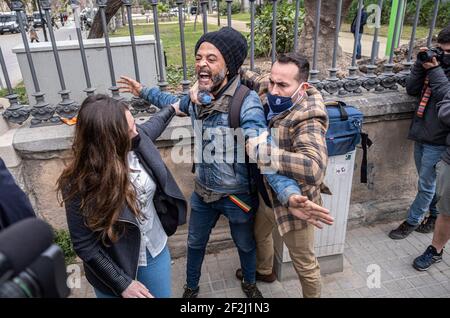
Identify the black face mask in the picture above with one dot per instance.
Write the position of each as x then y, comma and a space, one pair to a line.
135, 142
446, 60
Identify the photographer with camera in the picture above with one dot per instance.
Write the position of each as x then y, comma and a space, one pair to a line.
429, 80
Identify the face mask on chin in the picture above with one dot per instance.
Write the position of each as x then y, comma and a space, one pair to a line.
446, 60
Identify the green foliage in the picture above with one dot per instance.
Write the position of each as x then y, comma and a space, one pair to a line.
235, 7
19, 90
163, 7
62, 239
425, 16
426, 13
285, 28
175, 74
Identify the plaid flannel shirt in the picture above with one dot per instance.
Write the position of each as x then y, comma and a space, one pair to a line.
302, 154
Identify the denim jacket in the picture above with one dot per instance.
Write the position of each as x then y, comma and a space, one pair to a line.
224, 177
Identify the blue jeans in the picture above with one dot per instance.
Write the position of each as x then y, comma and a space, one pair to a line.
203, 219
358, 44
156, 276
426, 157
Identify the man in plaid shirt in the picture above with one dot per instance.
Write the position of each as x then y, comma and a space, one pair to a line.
298, 121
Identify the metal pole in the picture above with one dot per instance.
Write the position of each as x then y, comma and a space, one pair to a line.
5, 74
66, 108
388, 79
128, 4
114, 89
297, 11
375, 44
332, 84
15, 113
403, 21
185, 82
358, 24
336, 34
252, 35
218, 12
204, 15
46, 6
229, 2
413, 33
433, 22
162, 81
274, 30
314, 72
76, 13
41, 111
42, 21
397, 18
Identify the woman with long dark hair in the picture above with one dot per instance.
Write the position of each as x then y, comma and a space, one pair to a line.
121, 201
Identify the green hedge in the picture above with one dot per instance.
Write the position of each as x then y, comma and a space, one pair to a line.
426, 12
62, 239
285, 28
235, 7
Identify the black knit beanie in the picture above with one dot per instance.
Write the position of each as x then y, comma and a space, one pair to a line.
231, 44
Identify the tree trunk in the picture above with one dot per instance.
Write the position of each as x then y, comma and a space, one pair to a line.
111, 9
327, 31
9, 4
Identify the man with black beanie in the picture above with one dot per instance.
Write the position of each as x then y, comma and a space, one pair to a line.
223, 185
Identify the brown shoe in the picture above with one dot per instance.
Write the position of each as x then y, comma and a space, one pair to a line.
260, 277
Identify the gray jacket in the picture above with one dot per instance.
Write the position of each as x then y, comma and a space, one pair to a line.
429, 129
444, 116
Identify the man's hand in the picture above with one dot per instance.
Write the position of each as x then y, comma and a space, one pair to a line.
176, 106
129, 85
308, 211
193, 93
431, 64
136, 290
427, 65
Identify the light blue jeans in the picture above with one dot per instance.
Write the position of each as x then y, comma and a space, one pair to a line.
156, 276
426, 157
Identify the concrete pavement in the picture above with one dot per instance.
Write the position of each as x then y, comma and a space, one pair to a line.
368, 250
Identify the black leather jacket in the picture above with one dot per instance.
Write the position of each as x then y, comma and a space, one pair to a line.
111, 267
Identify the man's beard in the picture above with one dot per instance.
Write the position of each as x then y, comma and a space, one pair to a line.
216, 79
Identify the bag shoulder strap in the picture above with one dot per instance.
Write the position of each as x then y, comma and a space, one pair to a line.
234, 114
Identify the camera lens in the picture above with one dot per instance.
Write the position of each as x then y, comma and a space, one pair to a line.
22, 286
424, 56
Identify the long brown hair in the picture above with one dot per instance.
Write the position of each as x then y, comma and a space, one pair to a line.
98, 171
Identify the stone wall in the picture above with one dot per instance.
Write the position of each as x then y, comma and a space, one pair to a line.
391, 179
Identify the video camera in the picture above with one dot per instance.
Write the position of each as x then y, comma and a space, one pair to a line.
31, 266
427, 55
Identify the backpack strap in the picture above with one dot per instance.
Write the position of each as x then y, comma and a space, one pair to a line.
234, 114
234, 118
365, 143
